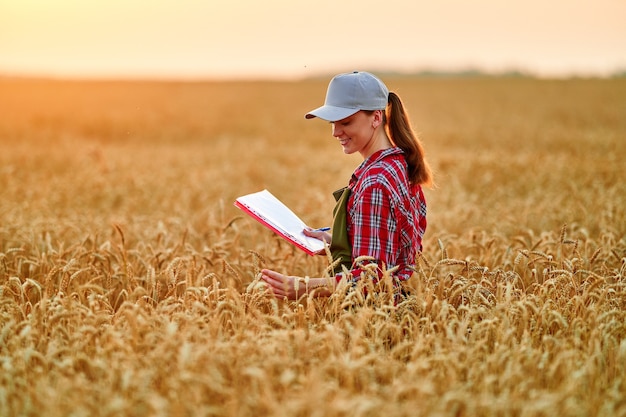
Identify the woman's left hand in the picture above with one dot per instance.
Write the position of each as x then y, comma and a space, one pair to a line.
283, 285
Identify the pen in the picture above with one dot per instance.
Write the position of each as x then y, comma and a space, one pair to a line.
322, 229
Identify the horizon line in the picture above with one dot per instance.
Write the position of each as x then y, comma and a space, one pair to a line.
467, 72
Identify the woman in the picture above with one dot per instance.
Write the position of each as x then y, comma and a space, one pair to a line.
381, 215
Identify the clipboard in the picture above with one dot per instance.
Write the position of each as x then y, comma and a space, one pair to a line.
268, 210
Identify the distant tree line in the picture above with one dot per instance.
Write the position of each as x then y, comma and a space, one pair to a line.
477, 73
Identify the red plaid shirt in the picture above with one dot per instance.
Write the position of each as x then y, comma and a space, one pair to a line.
386, 213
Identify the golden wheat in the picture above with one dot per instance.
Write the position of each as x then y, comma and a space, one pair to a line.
129, 283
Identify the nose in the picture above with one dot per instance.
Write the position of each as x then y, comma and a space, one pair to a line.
336, 132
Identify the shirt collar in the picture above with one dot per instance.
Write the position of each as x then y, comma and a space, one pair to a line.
375, 157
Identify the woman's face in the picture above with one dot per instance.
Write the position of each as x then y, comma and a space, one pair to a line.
356, 133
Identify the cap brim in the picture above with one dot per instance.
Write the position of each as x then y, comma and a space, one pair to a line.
331, 113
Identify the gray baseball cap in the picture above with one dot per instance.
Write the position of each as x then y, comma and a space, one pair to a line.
350, 92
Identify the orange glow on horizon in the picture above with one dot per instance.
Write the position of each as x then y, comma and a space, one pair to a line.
282, 38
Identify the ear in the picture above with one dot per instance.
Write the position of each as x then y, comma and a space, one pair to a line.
378, 118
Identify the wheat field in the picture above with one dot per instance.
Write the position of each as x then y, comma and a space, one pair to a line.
128, 280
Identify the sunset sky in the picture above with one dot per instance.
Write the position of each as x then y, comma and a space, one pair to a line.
293, 38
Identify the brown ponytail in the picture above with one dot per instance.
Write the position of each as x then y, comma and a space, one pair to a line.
402, 135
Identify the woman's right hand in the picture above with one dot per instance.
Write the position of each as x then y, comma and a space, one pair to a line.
318, 234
